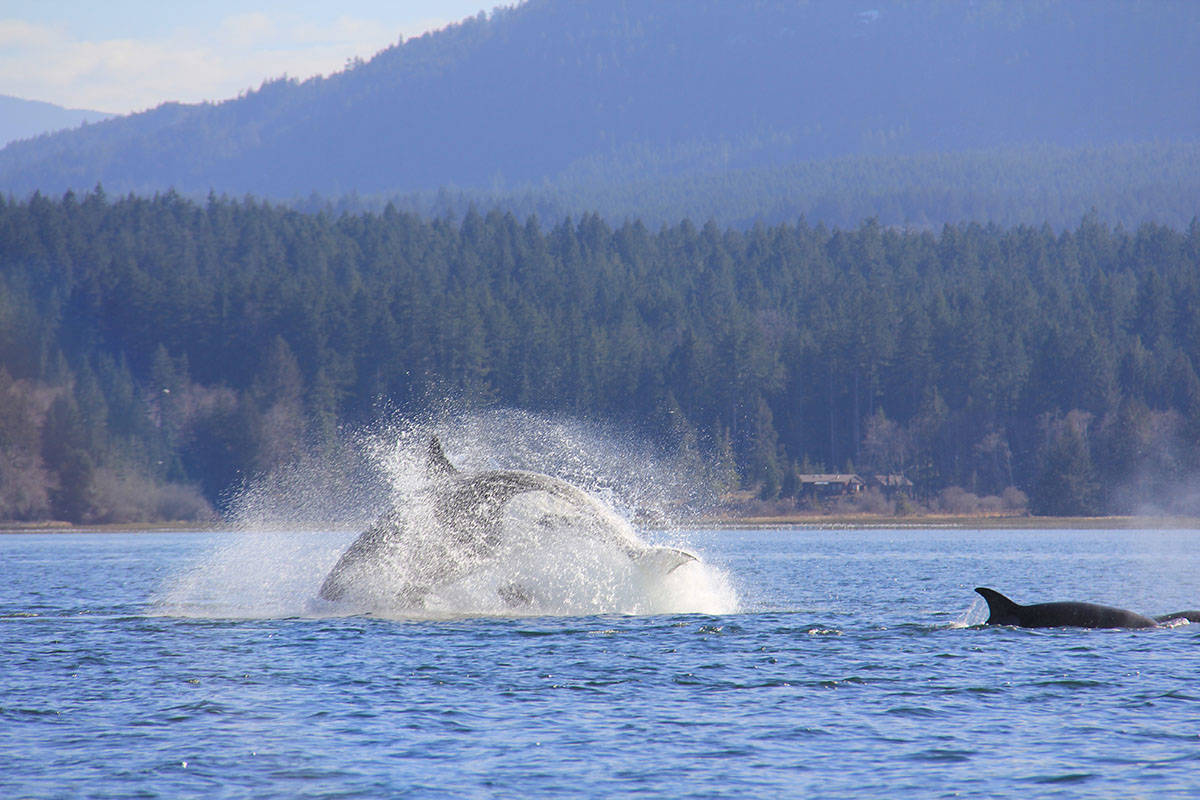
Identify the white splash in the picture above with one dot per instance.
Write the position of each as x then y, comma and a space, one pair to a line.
550, 562
976, 614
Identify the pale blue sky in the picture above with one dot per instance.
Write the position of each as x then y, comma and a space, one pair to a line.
128, 55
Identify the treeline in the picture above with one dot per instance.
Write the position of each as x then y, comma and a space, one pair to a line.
1124, 184
149, 345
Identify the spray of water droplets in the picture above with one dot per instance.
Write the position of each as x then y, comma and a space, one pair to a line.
552, 558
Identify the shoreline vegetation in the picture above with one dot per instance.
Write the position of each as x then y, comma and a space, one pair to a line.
858, 521
156, 353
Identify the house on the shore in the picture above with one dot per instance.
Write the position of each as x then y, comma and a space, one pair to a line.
826, 486
823, 486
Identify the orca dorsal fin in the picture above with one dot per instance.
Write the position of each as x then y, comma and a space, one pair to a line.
436, 463
1001, 610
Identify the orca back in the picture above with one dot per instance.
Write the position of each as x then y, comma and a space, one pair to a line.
1004, 611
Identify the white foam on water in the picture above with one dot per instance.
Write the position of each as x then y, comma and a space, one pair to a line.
257, 574
554, 557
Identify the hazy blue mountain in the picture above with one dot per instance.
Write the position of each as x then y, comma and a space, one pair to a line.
24, 119
621, 91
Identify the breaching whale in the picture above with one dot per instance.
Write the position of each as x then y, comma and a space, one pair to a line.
1003, 611
463, 531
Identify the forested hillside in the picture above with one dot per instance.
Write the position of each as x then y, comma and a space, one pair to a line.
556, 90
151, 344
1120, 184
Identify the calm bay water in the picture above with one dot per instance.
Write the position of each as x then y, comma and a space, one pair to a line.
845, 671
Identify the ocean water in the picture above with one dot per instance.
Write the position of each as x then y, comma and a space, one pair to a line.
788, 663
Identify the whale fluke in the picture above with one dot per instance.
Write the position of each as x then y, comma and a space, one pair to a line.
663, 559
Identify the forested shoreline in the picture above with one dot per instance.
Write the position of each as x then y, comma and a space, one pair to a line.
154, 352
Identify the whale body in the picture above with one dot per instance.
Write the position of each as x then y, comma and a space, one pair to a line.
1003, 611
464, 529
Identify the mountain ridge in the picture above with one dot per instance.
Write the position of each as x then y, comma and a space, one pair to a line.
25, 119
530, 93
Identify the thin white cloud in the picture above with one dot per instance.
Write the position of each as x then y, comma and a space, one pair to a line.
247, 30
18, 33
235, 54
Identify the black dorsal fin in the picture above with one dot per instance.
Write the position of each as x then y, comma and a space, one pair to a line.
1001, 610
436, 463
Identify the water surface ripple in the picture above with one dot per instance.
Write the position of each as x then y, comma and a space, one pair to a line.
844, 675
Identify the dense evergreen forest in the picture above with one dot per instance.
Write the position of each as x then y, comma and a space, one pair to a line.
1125, 184
155, 351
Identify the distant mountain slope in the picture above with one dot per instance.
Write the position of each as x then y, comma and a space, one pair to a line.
1121, 184
662, 87
22, 119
